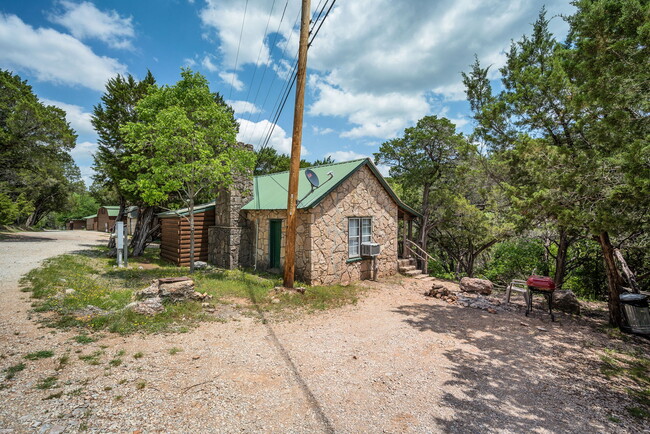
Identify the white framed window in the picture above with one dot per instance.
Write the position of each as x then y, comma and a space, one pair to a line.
359, 231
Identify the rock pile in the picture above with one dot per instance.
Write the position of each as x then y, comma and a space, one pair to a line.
171, 288
439, 291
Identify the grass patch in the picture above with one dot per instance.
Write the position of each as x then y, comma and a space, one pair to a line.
138, 355
141, 384
12, 370
63, 361
84, 339
46, 383
635, 368
115, 362
92, 358
43, 354
174, 350
96, 282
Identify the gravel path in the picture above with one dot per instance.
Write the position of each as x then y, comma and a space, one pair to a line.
395, 362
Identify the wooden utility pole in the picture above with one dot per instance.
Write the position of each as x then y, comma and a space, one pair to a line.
294, 168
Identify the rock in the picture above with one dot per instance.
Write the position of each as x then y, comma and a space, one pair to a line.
491, 310
470, 284
149, 292
542, 329
149, 307
90, 311
566, 301
69, 291
200, 265
176, 288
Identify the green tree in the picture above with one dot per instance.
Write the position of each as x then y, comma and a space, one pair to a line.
183, 143
424, 159
567, 144
36, 170
268, 160
116, 109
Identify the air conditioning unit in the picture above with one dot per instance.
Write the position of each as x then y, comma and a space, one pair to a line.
370, 249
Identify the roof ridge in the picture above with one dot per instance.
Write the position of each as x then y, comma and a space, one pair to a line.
309, 167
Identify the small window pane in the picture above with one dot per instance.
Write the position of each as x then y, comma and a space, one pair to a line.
366, 230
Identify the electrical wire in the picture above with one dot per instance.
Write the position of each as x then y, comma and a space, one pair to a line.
241, 32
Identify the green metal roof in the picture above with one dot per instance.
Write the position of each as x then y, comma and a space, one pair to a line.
89, 217
270, 191
184, 211
113, 210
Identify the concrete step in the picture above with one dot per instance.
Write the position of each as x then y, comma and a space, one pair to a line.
414, 273
405, 262
422, 276
405, 268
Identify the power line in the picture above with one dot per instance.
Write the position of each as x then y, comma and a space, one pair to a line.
241, 32
268, 92
259, 53
283, 99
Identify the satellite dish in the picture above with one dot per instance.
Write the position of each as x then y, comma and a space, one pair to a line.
312, 178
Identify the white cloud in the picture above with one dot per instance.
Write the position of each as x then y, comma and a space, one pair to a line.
207, 64
243, 107
80, 120
225, 18
53, 56
231, 79
189, 62
384, 115
322, 131
84, 150
381, 62
340, 156
84, 20
255, 133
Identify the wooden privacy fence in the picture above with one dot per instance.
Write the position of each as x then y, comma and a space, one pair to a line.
175, 237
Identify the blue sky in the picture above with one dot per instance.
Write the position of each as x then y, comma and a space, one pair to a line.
375, 68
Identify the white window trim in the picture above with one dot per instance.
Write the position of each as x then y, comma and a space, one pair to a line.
360, 236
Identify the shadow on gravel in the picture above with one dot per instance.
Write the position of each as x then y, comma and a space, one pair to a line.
11, 238
309, 396
520, 379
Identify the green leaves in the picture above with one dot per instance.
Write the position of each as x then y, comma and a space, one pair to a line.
36, 170
183, 142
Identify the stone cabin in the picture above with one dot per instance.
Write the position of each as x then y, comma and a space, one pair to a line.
352, 205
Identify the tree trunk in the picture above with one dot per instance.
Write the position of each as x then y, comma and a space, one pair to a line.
560, 258
142, 235
629, 275
614, 281
469, 265
191, 211
120, 216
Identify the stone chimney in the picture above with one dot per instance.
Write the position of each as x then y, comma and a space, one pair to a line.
230, 240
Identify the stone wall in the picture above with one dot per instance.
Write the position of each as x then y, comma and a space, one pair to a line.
261, 219
230, 239
361, 195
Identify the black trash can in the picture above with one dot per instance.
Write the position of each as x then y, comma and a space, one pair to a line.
636, 314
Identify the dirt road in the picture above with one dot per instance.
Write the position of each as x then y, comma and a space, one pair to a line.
396, 362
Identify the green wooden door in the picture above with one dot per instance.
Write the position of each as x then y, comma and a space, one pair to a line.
275, 240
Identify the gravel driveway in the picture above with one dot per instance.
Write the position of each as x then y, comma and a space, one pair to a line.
395, 362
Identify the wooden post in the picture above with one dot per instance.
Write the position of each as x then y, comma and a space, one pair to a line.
404, 235
294, 169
